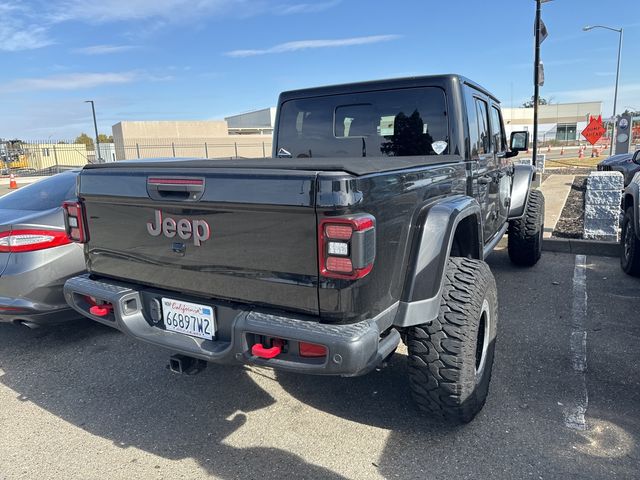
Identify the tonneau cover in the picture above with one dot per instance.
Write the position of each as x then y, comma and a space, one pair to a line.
356, 166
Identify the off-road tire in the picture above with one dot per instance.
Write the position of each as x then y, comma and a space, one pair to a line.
525, 234
629, 245
443, 358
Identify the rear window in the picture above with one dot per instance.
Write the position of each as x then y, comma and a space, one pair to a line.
390, 123
43, 195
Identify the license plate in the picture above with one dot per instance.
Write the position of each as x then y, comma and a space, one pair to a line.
188, 318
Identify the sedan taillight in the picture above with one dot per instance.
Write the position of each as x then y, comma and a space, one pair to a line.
30, 240
75, 222
347, 246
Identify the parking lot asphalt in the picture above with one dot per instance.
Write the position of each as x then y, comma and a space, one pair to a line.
4, 189
84, 401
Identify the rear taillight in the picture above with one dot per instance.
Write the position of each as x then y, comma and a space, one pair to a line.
347, 246
75, 222
30, 240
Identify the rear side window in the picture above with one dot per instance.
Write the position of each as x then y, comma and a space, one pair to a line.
496, 130
484, 145
387, 123
480, 142
474, 131
43, 195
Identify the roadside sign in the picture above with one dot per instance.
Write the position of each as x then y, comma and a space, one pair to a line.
594, 130
541, 74
543, 31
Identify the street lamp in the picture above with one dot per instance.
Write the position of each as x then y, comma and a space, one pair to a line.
539, 38
615, 95
95, 127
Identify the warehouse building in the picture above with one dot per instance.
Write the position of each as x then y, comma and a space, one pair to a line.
255, 122
558, 122
202, 139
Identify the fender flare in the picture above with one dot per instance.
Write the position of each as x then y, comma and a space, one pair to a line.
522, 177
434, 231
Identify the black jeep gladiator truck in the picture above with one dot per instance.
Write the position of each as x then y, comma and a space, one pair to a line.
370, 225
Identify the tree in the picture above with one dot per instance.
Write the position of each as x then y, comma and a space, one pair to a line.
541, 101
86, 139
103, 138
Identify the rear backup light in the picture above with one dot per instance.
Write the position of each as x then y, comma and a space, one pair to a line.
338, 248
347, 246
30, 240
312, 350
74, 222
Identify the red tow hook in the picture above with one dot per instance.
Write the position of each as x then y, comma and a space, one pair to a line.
259, 351
101, 310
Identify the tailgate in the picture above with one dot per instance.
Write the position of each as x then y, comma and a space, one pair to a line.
241, 235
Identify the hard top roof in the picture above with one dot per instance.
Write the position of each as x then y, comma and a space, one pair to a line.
443, 80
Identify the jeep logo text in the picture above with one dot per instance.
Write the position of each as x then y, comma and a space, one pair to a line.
197, 229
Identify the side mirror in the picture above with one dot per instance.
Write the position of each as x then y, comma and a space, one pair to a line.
636, 157
519, 141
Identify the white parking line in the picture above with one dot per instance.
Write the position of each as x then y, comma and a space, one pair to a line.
574, 415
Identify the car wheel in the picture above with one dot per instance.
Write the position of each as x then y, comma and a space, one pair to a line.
525, 234
630, 245
450, 358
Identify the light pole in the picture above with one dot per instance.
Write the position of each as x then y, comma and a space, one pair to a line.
615, 95
536, 84
95, 127
538, 39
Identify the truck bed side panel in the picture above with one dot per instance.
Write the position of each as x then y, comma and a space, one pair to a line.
394, 199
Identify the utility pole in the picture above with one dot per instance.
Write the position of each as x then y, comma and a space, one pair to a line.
536, 86
537, 80
95, 127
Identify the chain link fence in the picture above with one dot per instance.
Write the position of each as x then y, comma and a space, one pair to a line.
235, 147
39, 158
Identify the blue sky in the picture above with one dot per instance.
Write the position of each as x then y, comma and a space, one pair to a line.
205, 59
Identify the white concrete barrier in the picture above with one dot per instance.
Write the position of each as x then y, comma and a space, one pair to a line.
602, 205
540, 161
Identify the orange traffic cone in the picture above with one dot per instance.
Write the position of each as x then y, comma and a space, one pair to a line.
593, 153
12, 182
581, 153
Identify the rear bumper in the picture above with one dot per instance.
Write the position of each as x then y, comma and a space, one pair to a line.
352, 349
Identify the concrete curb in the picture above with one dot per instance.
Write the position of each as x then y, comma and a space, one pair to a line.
579, 246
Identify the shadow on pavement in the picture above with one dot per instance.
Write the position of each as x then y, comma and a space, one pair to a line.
104, 383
